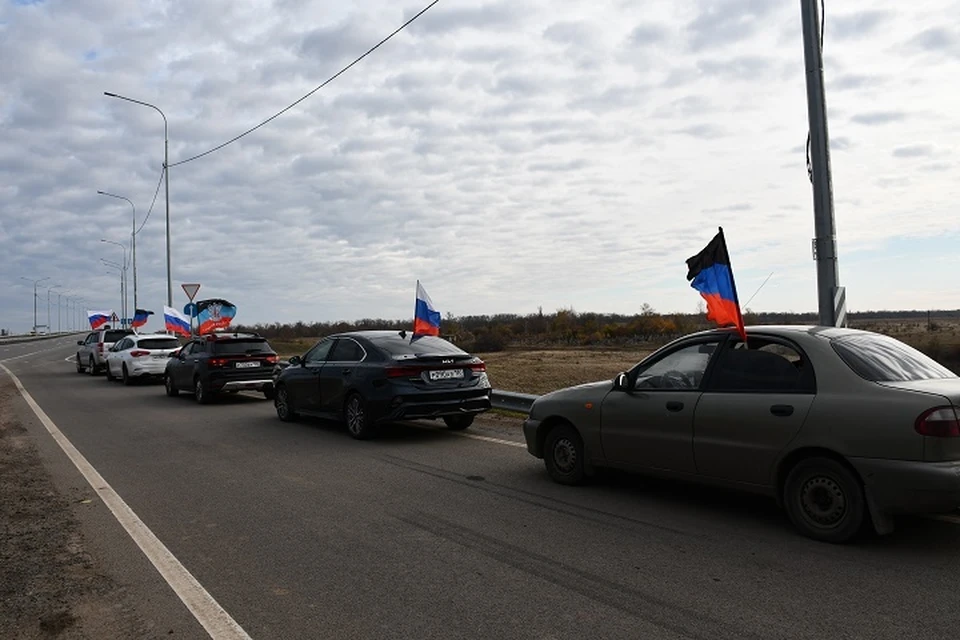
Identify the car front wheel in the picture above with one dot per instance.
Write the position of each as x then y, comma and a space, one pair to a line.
824, 500
172, 390
563, 455
281, 403
79, 363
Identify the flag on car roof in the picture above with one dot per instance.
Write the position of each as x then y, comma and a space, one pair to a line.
176, 322
710, 273
426, 319
99, 318
140, 317
213, 314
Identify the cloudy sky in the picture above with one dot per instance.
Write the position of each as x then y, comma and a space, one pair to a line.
509, 154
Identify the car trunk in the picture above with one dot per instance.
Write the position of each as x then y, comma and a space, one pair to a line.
944, 392
437, 371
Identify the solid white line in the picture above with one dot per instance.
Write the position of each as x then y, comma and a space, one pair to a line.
32, 353
213, 618
473, 436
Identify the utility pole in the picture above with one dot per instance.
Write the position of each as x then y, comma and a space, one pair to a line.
831, 296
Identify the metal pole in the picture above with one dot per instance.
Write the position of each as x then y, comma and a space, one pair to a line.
166, 183
830, 296
133, 242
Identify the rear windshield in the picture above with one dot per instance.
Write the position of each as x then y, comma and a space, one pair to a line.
113, 335
158, 343
426, 345
883, 359
240, 347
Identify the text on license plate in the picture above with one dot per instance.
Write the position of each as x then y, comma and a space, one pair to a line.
446, 374
246, 365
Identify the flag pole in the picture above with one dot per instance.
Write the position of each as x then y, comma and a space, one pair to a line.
733, 283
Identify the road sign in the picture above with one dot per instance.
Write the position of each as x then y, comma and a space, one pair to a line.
190, 310
114, 317
191, 290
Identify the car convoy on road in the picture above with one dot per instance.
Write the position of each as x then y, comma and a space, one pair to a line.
844, 428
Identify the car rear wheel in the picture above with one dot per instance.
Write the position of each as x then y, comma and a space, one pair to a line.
79, 363
127, 380
358, 420
201, 393
281, 403
92, 367
172, 390
824, 500
458, 423
563, 455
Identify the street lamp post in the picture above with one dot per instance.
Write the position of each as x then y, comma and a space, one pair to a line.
166, 180
133, 243
121, 271
123, 305
60, 295
49, 289
35, 283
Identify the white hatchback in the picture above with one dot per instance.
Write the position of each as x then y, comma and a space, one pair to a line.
140, 356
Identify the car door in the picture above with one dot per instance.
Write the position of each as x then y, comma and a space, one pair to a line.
338, 373
303, 382
650, 425
756, 400
88, 346
179, 369
115, 356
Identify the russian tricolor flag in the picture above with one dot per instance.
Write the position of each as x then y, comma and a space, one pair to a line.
176, 321
99, 318
712, 276
140, 318
426, 319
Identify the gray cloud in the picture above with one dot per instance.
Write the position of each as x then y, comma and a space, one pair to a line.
937, 40
732, 208
856, 25
878, 117
704, 130
648, 34
851, 81
727, 22
913, 151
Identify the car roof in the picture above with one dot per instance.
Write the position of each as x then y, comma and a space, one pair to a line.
789, 330
152, 335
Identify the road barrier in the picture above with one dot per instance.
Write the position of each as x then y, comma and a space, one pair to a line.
510, 401
49, 336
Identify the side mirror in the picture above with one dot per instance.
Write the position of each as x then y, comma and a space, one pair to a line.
174, 354
80, 342
621, 382
295, 360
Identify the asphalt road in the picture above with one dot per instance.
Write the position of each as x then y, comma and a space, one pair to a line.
299, 531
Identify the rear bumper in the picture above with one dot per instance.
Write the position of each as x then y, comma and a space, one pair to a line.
148, 368
898, 486
243, 385
425, 407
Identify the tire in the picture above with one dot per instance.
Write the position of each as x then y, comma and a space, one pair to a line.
824, 500
281, 403
92, 367
355, 415
458, 423
201, 393
564, 455
172, 391
270, 393
127, 380
109, 375
79, 364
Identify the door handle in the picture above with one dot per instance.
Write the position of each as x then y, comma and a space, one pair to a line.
782, 410
674, 406
347, 372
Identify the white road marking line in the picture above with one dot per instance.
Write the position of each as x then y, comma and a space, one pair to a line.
218, 623
951, 519
473, 436
32, 353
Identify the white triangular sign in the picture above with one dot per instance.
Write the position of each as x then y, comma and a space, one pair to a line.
191, 290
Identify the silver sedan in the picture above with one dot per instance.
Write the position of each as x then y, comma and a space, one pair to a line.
842, 427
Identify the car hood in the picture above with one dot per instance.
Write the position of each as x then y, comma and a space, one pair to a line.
589, 391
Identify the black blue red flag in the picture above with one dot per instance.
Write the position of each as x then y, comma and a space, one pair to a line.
140, 317
213, 314
709, 272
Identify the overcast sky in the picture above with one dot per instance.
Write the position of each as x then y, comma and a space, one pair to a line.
509, 154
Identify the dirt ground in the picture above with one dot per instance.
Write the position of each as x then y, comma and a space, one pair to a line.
543, 371
49, 587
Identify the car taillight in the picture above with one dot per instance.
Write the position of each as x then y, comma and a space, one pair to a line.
272, 359
479, 367
139, 353
939, 422
217, 362
100, 347
403, 372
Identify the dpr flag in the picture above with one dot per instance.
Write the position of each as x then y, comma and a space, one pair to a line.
213, 314
712, 276
140, 317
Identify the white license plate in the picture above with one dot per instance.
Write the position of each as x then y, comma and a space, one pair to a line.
159, 356
246, 365
446, 374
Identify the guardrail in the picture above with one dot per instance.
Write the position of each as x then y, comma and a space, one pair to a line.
28, 338
510, 401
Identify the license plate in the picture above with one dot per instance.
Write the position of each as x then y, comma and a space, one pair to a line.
446, 374
159, 356
246, 365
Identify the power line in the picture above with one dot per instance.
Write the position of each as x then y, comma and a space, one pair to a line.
159, 182
325, 83
745, 304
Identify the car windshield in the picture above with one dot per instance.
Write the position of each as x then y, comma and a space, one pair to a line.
884, 359
242, 346
113, 335
158, 343
398, 346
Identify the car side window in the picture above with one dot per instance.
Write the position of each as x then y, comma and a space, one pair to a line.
187, 349
346, 350
762, 365
123, 345
319, 352
681, 369
92, 338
